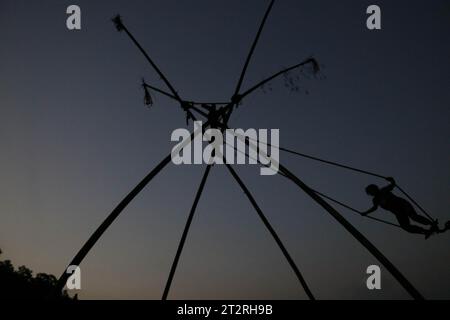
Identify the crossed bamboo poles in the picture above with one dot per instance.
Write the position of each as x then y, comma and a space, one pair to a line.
220, 120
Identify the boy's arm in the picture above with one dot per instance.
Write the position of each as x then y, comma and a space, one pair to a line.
374, 208
392, 184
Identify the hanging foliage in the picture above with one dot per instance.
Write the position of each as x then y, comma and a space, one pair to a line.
118, 23
292, 79
148, 100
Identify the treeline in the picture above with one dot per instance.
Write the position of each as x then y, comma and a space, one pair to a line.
21, 284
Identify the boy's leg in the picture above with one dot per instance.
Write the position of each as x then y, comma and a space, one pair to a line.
414, 229
421, 219
406, 225
418, 218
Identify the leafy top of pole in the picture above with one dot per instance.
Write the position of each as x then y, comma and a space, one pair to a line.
118, 22
315, 65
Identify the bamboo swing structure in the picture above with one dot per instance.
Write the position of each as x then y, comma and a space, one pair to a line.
220, 120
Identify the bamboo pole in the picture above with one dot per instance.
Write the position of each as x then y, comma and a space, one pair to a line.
185, 233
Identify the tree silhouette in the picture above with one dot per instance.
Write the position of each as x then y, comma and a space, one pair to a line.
20, 284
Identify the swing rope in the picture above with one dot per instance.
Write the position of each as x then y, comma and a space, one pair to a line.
354, 210
320, 193
351, 169
359, 171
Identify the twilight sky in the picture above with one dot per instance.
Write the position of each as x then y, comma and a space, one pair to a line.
75, 138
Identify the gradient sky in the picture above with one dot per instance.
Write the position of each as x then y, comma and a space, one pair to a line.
75, 137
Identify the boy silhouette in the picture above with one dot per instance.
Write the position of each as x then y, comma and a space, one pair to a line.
401, 208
